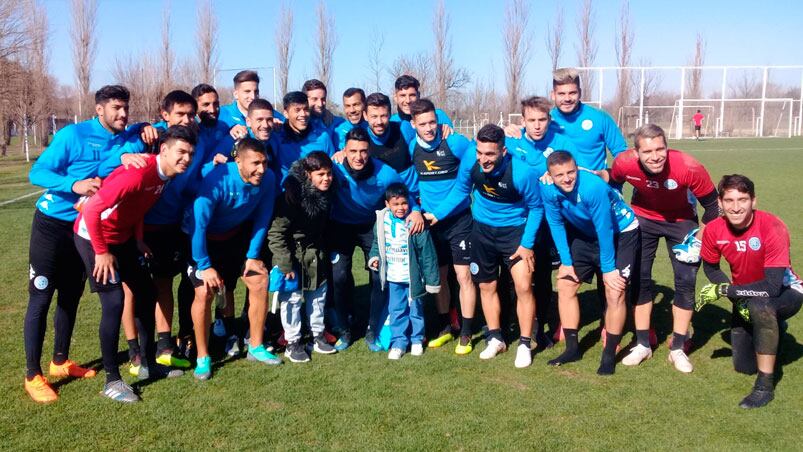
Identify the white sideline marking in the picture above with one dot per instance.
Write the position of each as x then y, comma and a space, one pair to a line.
5, 203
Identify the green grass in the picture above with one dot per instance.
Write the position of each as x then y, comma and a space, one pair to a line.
359, 400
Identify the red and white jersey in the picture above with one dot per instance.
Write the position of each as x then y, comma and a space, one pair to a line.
764, 244
113, 214
663, 196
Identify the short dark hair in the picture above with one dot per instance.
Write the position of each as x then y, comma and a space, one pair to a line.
112, 92
245, 76
537, 103
248, 144
316, 160
377, 100
179, 132
202, 89
421, 106
491, 133
407, 81
352, 91
259, 104
357, 134
295, 97
313, 84
177, 97
736, 182
396, 190
559, 158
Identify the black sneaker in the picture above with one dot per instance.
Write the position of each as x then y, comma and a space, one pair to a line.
296, 353
320, 345
757, 398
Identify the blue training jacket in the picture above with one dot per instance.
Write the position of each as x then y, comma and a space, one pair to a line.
591, 130
356, 201
340, 132
537, 151
290, 146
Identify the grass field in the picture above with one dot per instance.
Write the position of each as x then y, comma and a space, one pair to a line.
360, 400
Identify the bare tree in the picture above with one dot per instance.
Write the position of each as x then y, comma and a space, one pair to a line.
624, 48
375, 66
748, 86
32, 99
447, 77
206, 35
167, 58
694, 82
516, 38
652, 82
326, 44
283, 39
13, 40
554, 38
84, 21
140, 74
587, 48
418, 65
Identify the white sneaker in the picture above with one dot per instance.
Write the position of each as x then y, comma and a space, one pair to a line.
637, 354
681, 361
395, 353
494, 347
416, 349
524, 356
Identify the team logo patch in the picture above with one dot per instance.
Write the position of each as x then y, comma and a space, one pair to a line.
625, 272
431, 166
671, 184
547, 152
586, 124
754, 243
474, 268
41, 282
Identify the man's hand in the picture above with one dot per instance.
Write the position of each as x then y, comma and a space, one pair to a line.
339, 156
431, 218
446, 131
238, 131
710, 293
149, 135
219, 159
614, 280
603, 174
526, 255
86, 187
212, 280
144, 249
277, 122
133, 160
567, 272
513, 131
254, 266
415, 222
104, 270
546, 179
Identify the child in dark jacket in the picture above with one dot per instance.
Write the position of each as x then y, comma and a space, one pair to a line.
408, 269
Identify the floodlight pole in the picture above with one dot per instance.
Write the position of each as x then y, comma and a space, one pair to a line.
679, 131
760, 131
721, 119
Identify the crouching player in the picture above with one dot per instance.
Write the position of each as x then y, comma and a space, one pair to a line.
602, 235
408, 265
764, 290
227, 225
109, 238
662, 179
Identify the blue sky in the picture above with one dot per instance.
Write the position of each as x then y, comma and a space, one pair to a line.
737, 33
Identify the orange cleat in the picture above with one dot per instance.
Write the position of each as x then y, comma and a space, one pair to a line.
39, 390
70, 369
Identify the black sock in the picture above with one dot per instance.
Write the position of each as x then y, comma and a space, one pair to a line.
612, 341
443, 320
228, 323
163, 343
607, 364
572, 352
764, 382
678, 340
465, 328
524, 341
59, 358
570, 335
495, 334
133, 349
643, 337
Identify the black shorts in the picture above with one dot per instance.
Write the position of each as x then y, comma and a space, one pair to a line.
227, 257
685, 275
491, 246
54, 262
131, 268
171, 250
585, 254
697, 127
452, 238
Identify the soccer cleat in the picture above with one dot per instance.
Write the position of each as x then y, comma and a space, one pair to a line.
167, 359
568, 356
70, 369
203, 368
464, 346
322, 346
757, 398
343, 342
494, 347
40, 390
263, 356
138, 370
444, 337
680, 360
218, 329
373, 344
395, 353
637, 355
296, 353
524, 356
416, 349
232, 346
119, 391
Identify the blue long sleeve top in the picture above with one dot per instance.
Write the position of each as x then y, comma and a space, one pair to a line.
224, 202
537, 151
340, 132
592, 131
356, 201
437, 196
594, 209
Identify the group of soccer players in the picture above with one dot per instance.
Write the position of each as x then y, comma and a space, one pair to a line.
279, 200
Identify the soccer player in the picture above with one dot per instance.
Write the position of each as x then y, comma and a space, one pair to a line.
388, 144
353, 107
406, 92
211, 130
437, 160
68, 169
594, 231
360, 184
662, 180
296, 137
109, 238
697, 119
228, 224
764, 289
246, 89
321, 116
